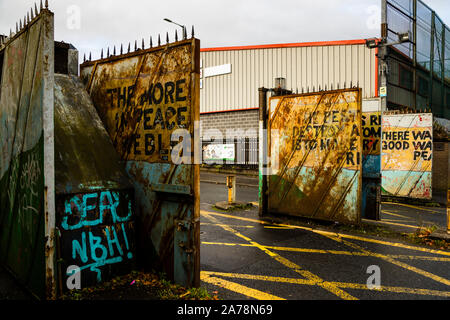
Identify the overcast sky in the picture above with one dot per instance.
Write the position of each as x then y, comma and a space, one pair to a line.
94, 24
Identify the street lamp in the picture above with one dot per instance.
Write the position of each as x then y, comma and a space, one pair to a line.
382, 46
374, 43
183, 27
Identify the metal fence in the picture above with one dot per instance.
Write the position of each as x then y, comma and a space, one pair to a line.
428, 50
245, 153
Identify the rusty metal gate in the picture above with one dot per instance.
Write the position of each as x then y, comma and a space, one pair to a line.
371, 182
26, 159
148, 101
407, 155
318, 140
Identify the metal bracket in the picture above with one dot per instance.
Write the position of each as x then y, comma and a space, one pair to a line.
183, 225
186, 249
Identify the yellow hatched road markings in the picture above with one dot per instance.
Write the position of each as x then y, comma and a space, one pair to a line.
396, 215
219, 225
335, 252
310, 276
347, 236
343, 285
235, 287
411, 206
391, 222
393, 261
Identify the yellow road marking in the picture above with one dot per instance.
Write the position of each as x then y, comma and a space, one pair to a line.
259, 278
395, 215
336, 252
219, 225
390, 222
310, 276
235, 287
411, 206
337, 284
393, 261
387, 243
274, 227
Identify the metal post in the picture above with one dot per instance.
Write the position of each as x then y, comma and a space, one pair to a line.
383, 54
263, 196
433, 34
443, 71
231, 184
448, 211
415, 53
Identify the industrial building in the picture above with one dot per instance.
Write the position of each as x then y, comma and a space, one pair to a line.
231, 76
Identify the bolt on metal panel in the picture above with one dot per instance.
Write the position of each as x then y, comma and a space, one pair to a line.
320, 151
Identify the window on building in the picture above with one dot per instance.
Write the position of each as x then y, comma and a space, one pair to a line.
406, 78
423, 86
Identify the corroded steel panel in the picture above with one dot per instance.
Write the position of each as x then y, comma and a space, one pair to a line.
149, 102
24, 96
407, 155
320, 149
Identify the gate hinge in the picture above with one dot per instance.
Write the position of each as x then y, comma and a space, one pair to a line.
184, 225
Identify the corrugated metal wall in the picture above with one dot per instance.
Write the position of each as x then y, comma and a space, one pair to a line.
302, 66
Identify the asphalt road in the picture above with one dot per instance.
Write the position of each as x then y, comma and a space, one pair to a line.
244, 258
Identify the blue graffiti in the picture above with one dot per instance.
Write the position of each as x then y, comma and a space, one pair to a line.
101, 253
104, 247
110, 205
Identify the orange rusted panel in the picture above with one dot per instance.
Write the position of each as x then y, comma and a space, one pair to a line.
320, 148
148, 101
407, 155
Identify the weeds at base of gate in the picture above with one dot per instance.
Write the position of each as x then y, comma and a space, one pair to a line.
237, 207
423, 236
139, 286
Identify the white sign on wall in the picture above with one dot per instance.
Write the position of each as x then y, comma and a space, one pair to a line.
219, 152
217, 70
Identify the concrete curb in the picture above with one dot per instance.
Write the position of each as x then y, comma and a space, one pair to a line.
440, 235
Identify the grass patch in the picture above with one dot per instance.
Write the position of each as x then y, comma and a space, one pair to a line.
139, 286
237, 207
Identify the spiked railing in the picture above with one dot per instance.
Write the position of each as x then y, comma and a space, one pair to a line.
142, 47
22, 24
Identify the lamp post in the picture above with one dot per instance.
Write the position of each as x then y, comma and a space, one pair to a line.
382, 54
183, 27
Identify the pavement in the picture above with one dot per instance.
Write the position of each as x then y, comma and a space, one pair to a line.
244, 257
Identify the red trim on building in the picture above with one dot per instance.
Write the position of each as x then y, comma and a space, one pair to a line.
288, 45
377, 89
233, 110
